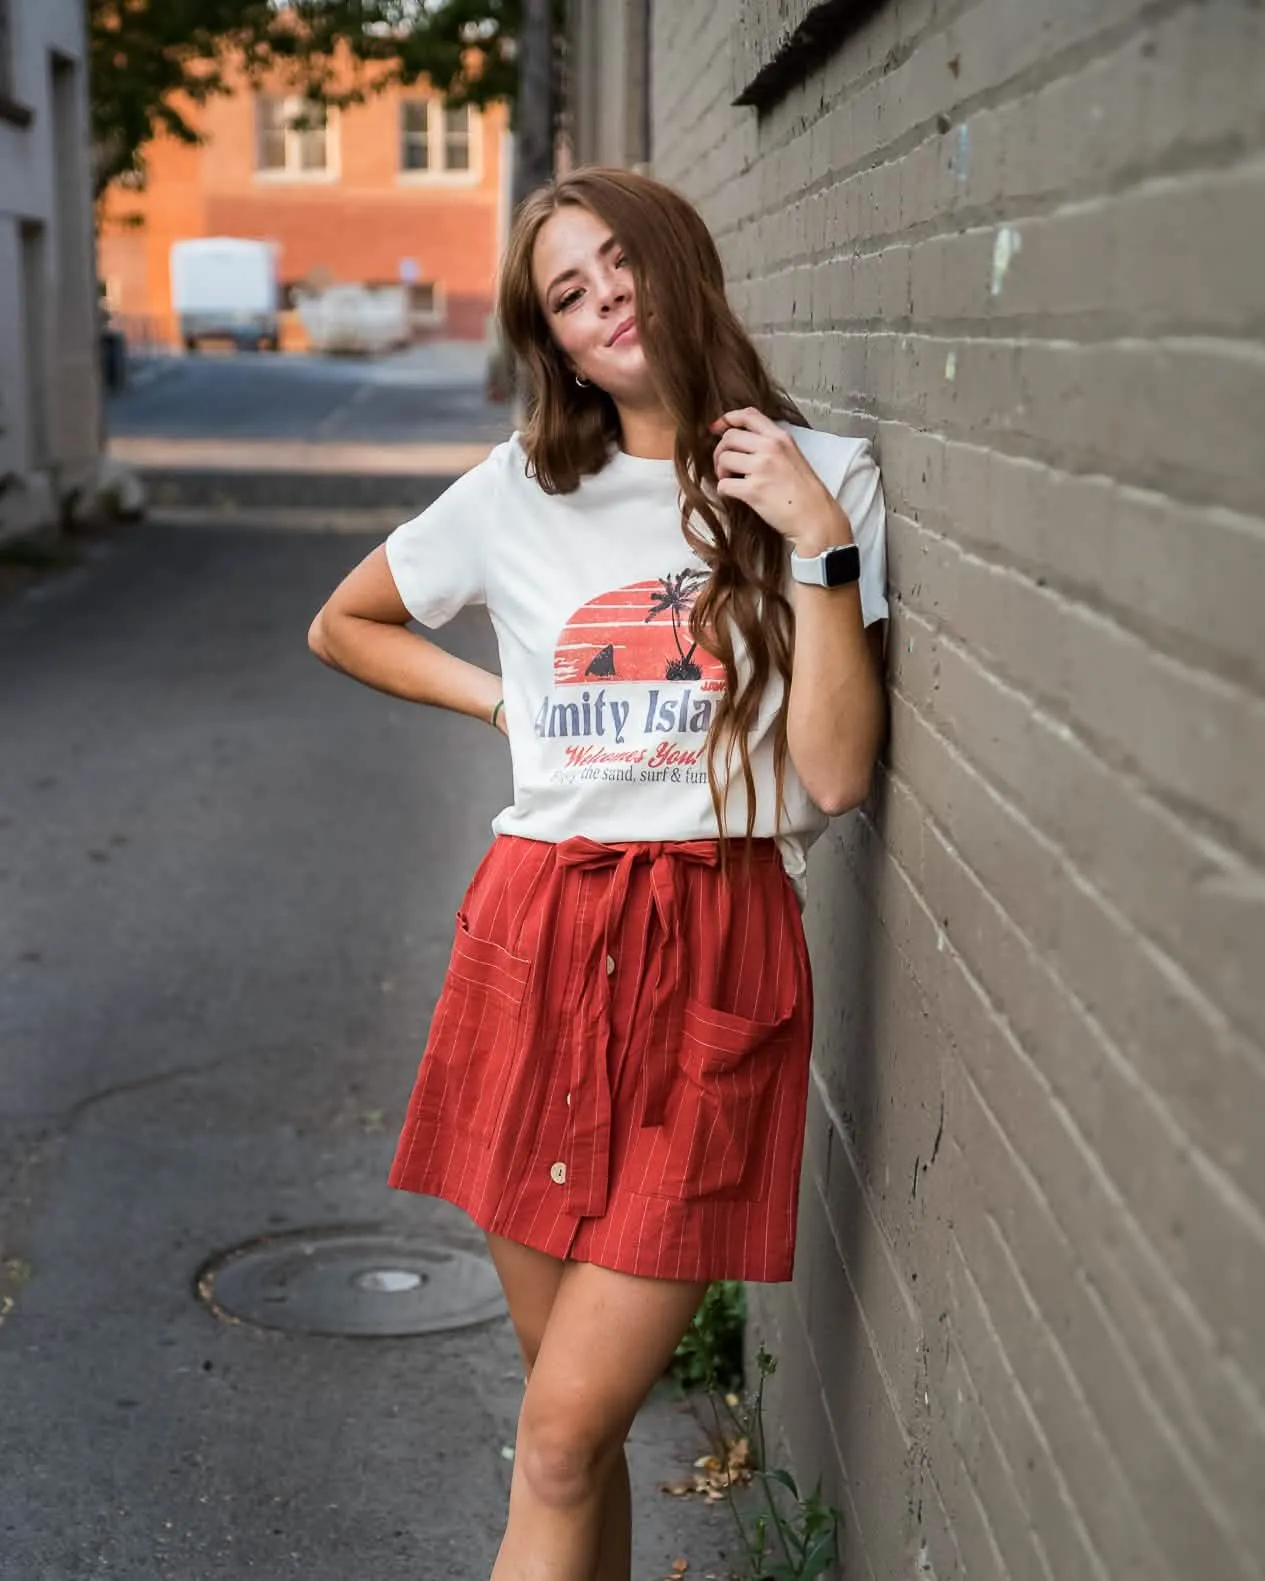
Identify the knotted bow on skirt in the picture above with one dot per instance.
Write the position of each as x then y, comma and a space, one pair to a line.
617, 1066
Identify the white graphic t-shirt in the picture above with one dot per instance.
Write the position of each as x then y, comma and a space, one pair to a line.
607, 697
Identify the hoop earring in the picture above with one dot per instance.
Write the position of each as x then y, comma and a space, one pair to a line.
583, 383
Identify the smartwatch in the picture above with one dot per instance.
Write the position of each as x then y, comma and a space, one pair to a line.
831, 568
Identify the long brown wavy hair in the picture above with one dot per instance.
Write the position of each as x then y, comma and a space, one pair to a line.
703, 363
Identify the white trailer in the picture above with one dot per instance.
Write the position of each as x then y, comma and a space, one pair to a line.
225, 288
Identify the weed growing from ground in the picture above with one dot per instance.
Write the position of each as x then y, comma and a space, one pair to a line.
788, 1535
785, 1535
710, 1353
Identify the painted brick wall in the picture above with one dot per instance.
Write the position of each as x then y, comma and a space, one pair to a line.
1023, 247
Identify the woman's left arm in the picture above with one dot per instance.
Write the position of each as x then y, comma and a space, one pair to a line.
836, 710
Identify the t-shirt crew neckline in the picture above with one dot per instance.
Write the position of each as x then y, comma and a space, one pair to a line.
645, 466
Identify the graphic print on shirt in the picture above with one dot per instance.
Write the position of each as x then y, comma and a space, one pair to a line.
633, 692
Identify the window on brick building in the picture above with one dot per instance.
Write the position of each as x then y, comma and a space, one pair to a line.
457, 138
436, 140
293, 136
415, 134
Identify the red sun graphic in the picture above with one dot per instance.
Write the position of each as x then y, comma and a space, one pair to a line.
637, 633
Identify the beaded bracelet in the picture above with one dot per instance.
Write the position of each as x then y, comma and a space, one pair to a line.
496, 711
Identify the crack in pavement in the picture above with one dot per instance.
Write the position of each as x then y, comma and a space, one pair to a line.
64, 1121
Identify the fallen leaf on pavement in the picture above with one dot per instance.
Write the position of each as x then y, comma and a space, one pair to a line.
714, 1475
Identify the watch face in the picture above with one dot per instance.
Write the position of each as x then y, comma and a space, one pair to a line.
842, 565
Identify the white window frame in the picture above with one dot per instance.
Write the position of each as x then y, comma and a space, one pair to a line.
437, 172
293, 106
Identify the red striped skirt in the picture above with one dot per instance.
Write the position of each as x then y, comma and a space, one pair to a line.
617, 1067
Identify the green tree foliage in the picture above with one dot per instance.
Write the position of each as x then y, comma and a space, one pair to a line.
150, 58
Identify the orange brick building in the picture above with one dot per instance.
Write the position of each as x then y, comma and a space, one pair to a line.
400, 189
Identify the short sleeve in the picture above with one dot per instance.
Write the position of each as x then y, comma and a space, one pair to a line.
848, 469
438, 558
861, 496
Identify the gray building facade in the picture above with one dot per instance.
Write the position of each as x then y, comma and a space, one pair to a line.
50, 401
1022, 247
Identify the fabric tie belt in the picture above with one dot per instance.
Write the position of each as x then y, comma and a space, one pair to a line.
589, 1116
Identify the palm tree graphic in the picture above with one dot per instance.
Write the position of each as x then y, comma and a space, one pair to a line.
676, 595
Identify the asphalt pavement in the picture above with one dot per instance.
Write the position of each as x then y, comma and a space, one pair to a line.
240, 433
227, 885
430, 392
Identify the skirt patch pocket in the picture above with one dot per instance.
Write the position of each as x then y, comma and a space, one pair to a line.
477, 1024
488, 964
707, 1145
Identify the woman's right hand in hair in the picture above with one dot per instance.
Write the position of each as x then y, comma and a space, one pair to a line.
759, 463
362, 631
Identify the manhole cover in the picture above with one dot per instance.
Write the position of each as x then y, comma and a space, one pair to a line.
341, 1282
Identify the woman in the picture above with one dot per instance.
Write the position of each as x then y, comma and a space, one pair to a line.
680, 576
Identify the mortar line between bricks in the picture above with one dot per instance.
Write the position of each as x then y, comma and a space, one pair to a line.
683, 132
1163, 961
1230, 1194
1051, 1460
1074, 330
1022, 84
1160, 1421
864, 1195
1076, 609
1023, 1504
1228, 157
946, 1526
1196, 815
1075, 1519
1219, 517
670, 105
1177, 484
1238, 1381
1149, 1401
1198, 655
907, 45
1166, 1428
913, 1310
840, 1457
1130, 785
1229, 346
905, 878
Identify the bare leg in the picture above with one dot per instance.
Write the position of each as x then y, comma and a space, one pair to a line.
607, 1339
530, 1280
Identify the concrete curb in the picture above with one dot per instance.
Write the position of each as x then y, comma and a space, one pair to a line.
372, 521
216, 492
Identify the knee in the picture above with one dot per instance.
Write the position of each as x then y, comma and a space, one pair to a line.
564, 1463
